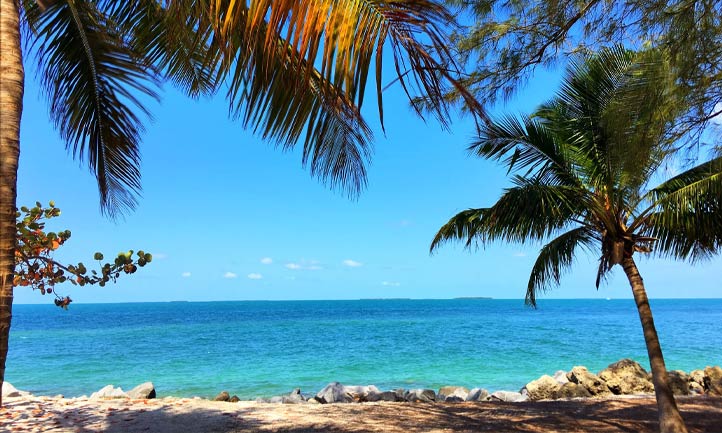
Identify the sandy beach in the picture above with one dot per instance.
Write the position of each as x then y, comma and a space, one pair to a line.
178, 415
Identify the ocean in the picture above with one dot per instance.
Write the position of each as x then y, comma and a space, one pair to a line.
265, 348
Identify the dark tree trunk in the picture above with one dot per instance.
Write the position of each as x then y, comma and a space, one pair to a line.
670, 420
11, 106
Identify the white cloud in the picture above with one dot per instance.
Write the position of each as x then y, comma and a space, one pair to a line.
520, 254
255, 276
229, 275
294, 266
266, 260
352, 263
390, 283
186, 274
160, 256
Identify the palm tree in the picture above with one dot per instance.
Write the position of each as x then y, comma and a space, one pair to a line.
581, 168
296, 71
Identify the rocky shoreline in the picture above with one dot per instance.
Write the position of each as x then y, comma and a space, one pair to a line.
623, 378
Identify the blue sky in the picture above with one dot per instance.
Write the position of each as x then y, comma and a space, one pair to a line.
228, 217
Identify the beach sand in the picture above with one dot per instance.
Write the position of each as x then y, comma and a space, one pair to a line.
177, 415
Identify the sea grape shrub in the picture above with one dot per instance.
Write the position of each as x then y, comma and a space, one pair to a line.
36, 267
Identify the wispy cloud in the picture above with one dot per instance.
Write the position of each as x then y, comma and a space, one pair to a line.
266, 260
160, 256
293, 266
229, 275
352, 263
520, 254
390, 283
255, 276
186, 274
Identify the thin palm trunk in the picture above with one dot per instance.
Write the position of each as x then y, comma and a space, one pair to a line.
670, 420
11, 106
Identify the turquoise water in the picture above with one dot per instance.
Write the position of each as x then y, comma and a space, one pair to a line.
267, 348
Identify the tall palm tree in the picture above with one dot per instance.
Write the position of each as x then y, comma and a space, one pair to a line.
295, 70
581, 167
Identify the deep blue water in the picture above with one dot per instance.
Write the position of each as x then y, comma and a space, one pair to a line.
267, 348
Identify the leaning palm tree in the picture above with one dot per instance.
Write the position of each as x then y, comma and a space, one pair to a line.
581, 167
295, 72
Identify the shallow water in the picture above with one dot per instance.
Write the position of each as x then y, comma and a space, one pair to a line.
268, 348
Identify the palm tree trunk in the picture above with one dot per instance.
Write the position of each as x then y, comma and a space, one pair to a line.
11, 107
670, 420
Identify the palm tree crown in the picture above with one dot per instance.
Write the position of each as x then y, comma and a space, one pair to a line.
581, 166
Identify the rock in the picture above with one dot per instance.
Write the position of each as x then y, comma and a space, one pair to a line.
295, 397
697, 376
333, 393
400, 393
360, 393
142, 391
422, 395
456, 393
561, 377
542, 388
234, 399
508, 396
571, 390
626, 377
276, 399
696, 388
382, 396
478, 394
108, 392
223, 396
678, 382
713, 380
9, 391
590, 381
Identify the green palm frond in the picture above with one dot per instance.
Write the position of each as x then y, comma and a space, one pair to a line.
686, 213
526, 144
176, 37
531, 210
466, 225
96, 86
554, 258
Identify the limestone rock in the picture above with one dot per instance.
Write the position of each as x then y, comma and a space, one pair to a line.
571, 390
360, 393
453, 392
542, 388
695, 388
333, 393
590, 381
626, 377
697, 376
234, 399
108, 392
713, 380
478, 394
276, 399
9, 391
508, 396
561, 377
678, 382
142, 391
223, 396
382, 396
422, 395
295, 397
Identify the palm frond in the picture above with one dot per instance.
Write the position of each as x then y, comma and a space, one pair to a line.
176, 37
554, 258
96, 85
526, 144
466, 225
531, 210
686, 213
